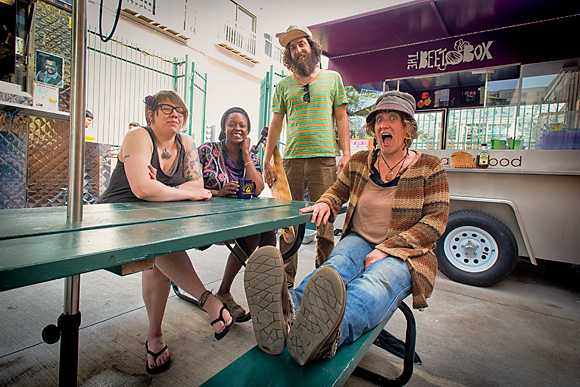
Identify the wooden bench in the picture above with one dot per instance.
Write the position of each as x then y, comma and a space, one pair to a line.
256, 368
38, 244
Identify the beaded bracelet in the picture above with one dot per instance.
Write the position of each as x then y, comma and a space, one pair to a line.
203, 298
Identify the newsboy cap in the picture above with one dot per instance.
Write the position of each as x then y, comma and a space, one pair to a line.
393, 100
294, 32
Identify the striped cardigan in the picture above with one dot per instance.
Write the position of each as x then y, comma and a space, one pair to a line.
419, 214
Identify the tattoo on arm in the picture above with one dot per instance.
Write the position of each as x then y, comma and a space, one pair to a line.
192, 169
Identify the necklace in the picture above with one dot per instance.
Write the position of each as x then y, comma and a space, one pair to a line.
165, 155
390, 173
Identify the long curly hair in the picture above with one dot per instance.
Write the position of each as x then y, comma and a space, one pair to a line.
409, 124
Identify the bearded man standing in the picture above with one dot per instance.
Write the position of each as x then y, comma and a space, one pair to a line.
312, 100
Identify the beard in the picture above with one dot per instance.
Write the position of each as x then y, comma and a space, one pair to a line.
305, 67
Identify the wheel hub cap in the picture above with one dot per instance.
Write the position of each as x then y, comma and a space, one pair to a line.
471, 249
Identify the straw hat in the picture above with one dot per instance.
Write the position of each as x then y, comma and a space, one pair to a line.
294, 32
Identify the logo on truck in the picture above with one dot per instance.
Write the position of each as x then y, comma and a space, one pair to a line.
440, 58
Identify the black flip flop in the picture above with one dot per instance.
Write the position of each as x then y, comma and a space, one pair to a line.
157, 369
227, 328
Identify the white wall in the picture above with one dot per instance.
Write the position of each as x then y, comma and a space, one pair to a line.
232, 81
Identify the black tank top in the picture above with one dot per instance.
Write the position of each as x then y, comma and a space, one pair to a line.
119, 190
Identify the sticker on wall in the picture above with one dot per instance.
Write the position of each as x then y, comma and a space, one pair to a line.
425, 100
45, 96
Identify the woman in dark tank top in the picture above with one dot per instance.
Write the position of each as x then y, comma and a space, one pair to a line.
157, 163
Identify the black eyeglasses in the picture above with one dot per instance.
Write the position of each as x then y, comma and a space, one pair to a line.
306, 89
168, 109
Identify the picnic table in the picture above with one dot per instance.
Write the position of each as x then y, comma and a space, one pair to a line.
39, 244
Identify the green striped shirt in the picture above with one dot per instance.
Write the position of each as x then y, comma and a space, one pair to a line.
310, 125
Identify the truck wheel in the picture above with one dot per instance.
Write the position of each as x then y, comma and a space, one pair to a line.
476, 249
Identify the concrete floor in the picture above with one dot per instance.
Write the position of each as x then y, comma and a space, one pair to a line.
524, 331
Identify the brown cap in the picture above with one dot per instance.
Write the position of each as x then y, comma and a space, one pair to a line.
393, 100
293, 32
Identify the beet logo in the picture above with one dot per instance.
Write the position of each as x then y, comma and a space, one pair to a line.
462, 52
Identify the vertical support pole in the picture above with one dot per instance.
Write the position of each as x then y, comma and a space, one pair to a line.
77, 114
518, 104
175, 74
192, 104
188, 93
485, 109
204, 108
69, 321
269, 95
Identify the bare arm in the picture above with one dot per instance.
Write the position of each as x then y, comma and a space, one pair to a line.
136, 156
192, 172
273, 136
343, 134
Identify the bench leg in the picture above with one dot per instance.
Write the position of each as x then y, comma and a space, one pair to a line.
69, 348
67, 331
242, 245
410, 337
297, 242
183, 295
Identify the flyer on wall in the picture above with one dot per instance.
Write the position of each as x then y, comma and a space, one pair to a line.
45, 96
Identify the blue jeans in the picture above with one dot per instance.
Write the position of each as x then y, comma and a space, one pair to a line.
372, 294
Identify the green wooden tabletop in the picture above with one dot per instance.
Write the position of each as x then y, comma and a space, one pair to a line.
38, 245
49, 220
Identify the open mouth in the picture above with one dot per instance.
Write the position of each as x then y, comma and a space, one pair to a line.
386, 138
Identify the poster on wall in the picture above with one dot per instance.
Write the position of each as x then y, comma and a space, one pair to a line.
45, 96
49, 68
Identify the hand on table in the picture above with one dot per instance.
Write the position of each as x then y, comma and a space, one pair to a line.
230, 188
320, 213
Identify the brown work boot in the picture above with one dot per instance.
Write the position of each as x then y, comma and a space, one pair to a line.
234, 308
316, 330
268, 299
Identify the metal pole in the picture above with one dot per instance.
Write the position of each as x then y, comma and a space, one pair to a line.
69, 321
77, 114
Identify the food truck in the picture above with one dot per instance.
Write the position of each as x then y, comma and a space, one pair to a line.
503, 73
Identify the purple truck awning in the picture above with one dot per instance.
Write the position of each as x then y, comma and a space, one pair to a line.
432, 36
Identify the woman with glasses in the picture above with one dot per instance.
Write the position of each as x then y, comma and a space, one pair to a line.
157, 163
223, 164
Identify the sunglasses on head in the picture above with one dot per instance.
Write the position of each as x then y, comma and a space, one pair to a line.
306, 89
168, 109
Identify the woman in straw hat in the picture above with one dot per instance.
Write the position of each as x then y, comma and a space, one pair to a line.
398, 208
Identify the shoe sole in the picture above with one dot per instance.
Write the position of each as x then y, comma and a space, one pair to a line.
321, 312
263, 282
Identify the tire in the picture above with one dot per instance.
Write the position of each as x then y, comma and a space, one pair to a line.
476, 249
